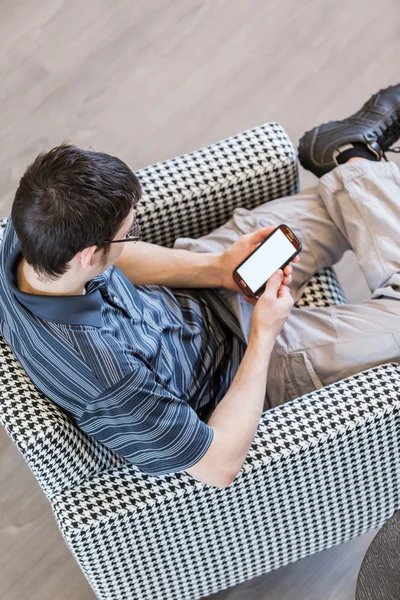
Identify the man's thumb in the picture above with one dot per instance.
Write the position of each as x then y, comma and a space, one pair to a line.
274, 282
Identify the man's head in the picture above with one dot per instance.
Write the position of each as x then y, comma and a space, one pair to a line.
71, 200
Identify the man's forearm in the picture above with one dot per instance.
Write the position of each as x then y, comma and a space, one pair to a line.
236, 418
149, 264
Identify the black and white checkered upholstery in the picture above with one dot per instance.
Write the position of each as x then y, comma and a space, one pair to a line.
321, 469
190, 195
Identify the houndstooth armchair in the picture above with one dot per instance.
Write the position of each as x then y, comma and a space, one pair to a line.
321, 469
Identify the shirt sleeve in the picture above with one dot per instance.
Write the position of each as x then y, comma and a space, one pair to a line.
143, 422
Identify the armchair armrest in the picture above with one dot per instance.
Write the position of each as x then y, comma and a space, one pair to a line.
321, 469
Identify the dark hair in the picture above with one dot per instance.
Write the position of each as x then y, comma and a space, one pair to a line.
70, 199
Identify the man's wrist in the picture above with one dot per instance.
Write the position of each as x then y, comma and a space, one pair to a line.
217, 271
262, 339
205, 270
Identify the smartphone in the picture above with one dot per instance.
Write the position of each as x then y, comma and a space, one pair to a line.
274, 253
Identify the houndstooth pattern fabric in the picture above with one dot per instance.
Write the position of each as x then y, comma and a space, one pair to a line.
190, 195
323, 289
58, 453
321, 470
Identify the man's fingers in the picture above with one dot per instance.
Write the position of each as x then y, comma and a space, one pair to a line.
288, 270
284, 292
274, 282
287, 280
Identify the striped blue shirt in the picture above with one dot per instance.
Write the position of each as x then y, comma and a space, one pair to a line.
139, 368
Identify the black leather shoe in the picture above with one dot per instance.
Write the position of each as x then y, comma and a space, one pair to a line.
377, 125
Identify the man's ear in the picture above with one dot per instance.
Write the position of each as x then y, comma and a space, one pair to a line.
86, 257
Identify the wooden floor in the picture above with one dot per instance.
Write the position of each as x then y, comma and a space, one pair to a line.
151, 80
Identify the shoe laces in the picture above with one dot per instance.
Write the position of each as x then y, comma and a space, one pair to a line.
394, 128
394, 149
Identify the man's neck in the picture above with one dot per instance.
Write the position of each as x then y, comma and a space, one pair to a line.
28, 282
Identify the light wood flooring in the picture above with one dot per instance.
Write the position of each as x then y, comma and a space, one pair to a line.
148, 80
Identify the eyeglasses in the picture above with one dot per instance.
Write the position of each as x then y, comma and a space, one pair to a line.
134, 235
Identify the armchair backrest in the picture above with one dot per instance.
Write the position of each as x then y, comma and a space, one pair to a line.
186, 196
190, 195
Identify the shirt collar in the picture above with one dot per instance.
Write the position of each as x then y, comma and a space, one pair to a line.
70, 310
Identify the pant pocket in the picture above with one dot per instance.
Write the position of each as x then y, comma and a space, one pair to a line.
290, 376
293, 375
302, 373
344, 359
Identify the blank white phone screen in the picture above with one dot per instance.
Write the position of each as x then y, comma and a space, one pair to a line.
266, 260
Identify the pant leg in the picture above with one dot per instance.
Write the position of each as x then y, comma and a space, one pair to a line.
363, 201
318, 346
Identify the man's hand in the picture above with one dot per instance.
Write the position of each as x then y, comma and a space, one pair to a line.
235, 254
272, 308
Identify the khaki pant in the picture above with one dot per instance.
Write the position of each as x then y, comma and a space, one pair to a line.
355, 206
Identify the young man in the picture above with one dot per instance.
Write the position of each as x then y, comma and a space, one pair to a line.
161, 372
